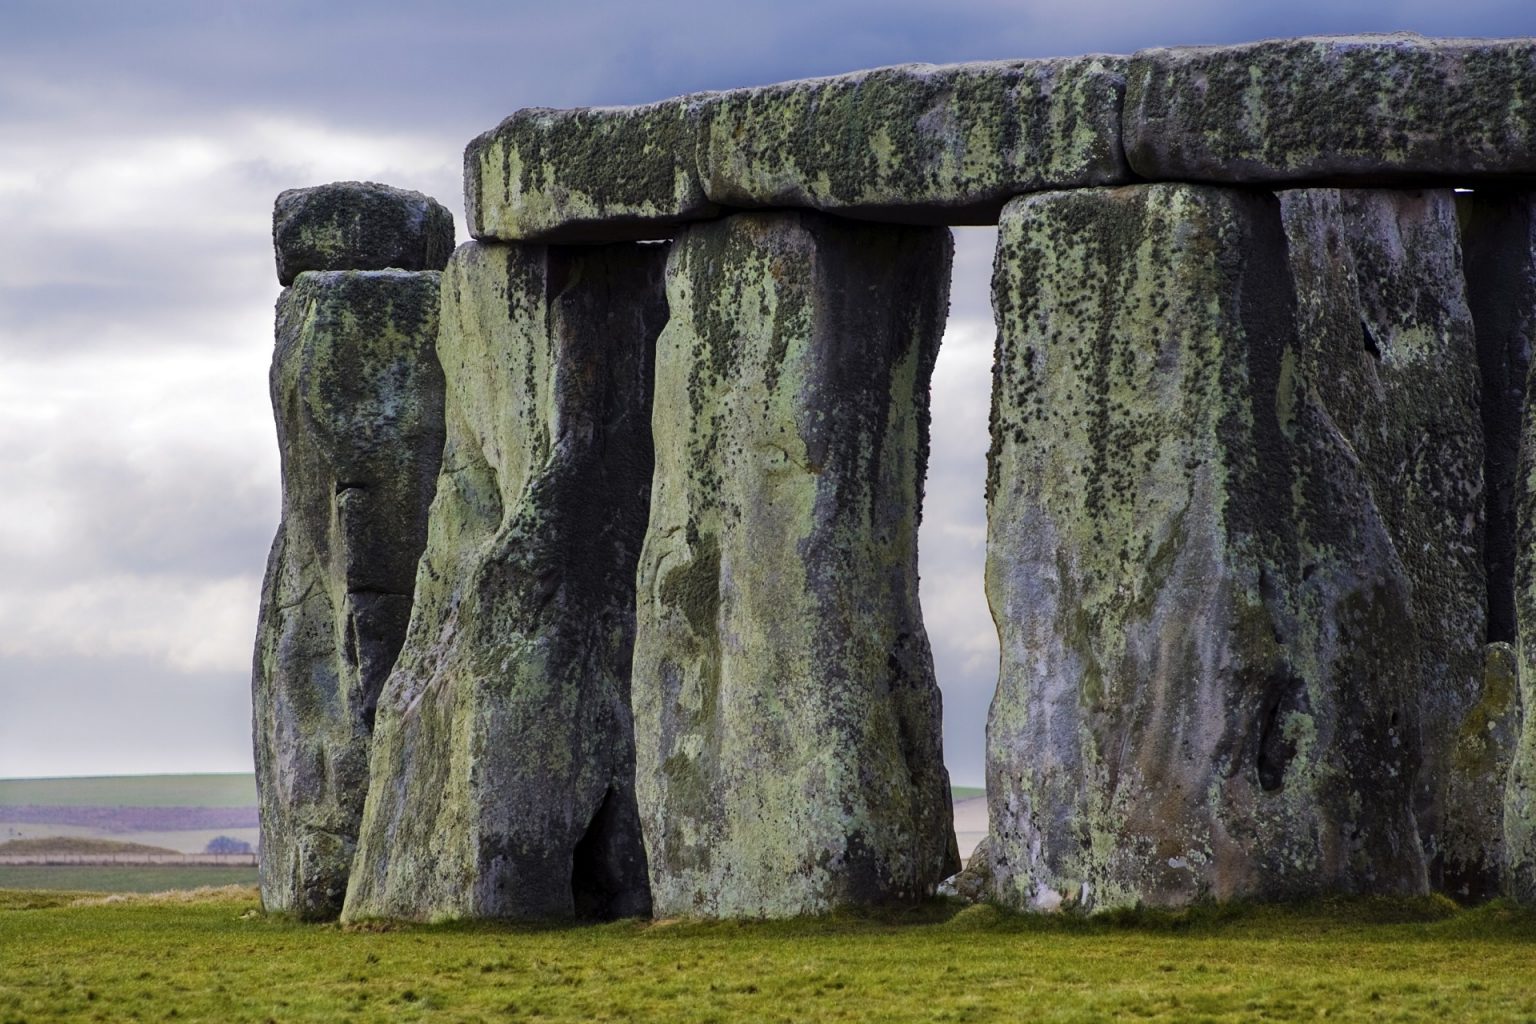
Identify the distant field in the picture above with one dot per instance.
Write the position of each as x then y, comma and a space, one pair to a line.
75, 846
234, 790
218, 959
121, 878
966, 792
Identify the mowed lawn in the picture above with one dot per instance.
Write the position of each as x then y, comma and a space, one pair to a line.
122, 877
216, 958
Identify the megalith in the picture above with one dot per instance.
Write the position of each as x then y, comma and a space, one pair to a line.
358, 397
357, 225
503, 759
1208, 676
1386, 336
786, 716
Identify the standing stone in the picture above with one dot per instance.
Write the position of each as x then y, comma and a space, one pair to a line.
359, 225
786, 717
592, 174
1208, 682
1387, 338
1370, 108
1499, 235
919, 143
358, 396
503, 759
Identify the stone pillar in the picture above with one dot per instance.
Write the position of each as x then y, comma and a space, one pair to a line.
1208, 682
503, 760
1499, 236
1386, 338
786, 716
359, 402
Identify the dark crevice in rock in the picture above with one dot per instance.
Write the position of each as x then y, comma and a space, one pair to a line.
1368, 341
1496, 238
602, 881
1285, 694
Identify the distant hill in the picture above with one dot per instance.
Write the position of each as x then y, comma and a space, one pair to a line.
231, 790
75, 846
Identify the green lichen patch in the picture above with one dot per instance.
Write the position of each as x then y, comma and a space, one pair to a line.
1369, 108
353, 225
590, 174
917, 143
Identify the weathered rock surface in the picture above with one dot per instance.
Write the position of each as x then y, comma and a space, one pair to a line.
1471, 839
920, 143
503, 758
356, 225
1500, 237
358, 397
598, 174
786, 717
1386, 336
1371, 108
1498, 241
1208, 683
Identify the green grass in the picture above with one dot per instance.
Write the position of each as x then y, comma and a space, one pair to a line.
233, 790
122, 877
219, 959
966, 792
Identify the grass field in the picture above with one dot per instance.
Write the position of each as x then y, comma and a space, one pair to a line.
234, 790
219, 959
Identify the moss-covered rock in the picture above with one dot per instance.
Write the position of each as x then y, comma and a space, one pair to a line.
359, 225
1387, 337
358, 396
1501, 248
919, 143
590, 174
503, 758
786, 717
1208, 686
1372, 108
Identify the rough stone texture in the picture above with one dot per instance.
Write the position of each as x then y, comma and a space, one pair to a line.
1499, 255
1387, 338
1208, 683
503, 759
358, 397
1372, 108
918, 143
599, 174
357, 225
1476, 773
1501, 279
786, 717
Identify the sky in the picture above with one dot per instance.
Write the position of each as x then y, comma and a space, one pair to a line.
141, 146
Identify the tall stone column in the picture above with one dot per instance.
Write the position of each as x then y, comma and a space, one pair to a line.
1208, 681
1499, 236
1386, 338
786, 716
503, 758
359, 401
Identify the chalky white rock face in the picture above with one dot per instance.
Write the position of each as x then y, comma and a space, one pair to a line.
1387, 336
1370, 108
787, 729
502, 772
358, 397
1207, 687
919, 143
359, 225
591, 174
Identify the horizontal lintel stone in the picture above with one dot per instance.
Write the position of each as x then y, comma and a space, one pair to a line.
359, 225
1373, 109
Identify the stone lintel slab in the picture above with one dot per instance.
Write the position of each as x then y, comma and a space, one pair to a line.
918, 143
589, 174
1367, 109
359, 225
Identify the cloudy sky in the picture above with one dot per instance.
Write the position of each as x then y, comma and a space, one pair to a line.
140, 148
